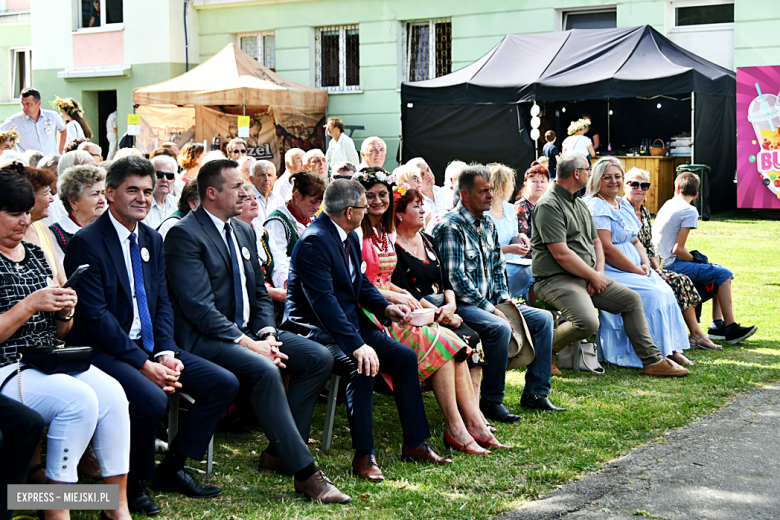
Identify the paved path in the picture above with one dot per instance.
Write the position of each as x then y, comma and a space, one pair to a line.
726, 466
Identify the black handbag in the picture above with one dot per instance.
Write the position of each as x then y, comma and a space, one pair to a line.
57, 359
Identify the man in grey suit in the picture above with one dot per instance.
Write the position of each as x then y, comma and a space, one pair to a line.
223, 313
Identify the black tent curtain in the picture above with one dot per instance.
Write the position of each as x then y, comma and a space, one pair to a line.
715, 130
469, 133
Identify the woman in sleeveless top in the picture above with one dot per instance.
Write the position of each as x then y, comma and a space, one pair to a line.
441, 353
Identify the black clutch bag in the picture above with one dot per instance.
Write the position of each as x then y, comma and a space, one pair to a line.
56, 359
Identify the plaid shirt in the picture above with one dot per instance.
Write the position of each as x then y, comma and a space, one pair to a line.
473, 261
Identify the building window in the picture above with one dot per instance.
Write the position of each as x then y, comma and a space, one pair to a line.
21, 71
99, 13
261, 46
428, 49
590, 19
703, 15
337, 58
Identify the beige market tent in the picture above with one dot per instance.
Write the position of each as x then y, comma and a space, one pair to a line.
231, 77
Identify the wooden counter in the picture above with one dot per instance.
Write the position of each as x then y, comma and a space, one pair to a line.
661, 176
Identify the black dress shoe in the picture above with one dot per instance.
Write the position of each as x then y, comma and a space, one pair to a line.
139, 501
183, 482
539, 402
497, 412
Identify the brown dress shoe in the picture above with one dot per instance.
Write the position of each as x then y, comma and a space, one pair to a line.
366, 467
319, 487
423, 453
665, 369
555, 371
270, 463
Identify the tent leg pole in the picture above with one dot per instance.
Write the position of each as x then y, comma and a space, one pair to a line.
243, 110
693, 125
609, 123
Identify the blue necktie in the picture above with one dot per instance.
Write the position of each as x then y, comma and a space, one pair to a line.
147, 331
238, 294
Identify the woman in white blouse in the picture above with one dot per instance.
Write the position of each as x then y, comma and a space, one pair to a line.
73, 114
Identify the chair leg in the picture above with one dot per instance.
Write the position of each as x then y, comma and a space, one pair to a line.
173, 417
210, 456
330, 412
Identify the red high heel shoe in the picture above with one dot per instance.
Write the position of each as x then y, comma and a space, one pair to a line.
455, 445
490, 443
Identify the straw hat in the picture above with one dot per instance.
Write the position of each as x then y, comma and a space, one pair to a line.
521, 347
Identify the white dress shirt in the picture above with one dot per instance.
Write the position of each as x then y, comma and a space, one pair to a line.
343, 237
124, 241
283, 187
278, 245
265, 205
235, 250
41, 135
159, 213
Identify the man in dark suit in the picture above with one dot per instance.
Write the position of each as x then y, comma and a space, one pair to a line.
224, 313
124, 314
327, 284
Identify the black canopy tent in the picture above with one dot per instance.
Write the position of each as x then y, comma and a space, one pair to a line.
480, 113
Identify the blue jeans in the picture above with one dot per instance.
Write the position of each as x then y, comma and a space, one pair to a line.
496, 333
702, 273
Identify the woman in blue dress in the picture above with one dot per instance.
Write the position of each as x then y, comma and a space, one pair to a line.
627, 263
514, 245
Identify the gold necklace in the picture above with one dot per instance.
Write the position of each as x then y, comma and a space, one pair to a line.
409, 243
616, 205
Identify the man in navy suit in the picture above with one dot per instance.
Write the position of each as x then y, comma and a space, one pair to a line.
327, 284
124, 314
223, 312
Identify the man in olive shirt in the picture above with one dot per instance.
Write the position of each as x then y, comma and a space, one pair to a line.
568, 265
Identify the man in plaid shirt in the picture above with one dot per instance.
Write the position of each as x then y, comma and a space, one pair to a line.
474, 264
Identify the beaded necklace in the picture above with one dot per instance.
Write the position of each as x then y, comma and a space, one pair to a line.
380, 244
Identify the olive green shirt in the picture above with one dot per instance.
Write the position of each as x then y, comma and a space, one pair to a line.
561, 216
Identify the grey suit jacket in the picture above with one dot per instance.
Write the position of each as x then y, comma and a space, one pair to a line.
200, 284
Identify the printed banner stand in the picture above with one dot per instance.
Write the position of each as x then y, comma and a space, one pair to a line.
243, 126
133, 124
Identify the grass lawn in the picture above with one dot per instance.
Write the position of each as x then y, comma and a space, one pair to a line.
607, 417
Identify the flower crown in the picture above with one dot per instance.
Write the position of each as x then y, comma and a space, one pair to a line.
371, 177
67, 107
576, 126
400, 192
9, 135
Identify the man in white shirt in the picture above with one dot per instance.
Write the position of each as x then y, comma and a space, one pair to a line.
38, 128
163, 201
293, 162
263, 176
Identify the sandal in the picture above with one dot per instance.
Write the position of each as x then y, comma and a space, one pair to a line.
695, 343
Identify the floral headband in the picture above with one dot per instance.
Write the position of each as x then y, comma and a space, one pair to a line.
67, 107
400, 192
372, 177
576, 126
9, 135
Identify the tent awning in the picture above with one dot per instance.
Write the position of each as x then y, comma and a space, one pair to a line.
230, 77
576, 64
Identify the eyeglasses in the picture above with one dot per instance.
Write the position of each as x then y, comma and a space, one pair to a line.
373, 196
95, 155
364, 208
317, 160
585, 169
168, 175
644, 186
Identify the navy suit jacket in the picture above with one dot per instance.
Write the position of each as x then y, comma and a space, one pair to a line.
322, 301
104, 313
201, 283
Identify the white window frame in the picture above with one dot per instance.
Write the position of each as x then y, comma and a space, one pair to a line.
562, 13
13, 51
103, 27
260, 45
431, 45
671, 17
342, 87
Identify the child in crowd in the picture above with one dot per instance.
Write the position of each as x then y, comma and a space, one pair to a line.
674, 221
551, 152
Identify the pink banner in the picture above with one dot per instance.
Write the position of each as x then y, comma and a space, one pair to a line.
758, 137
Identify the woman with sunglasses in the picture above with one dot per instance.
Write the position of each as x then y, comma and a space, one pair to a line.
637, 184
164, 202
627, 263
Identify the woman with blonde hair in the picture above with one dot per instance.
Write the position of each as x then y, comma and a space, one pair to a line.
627, 263
514, 244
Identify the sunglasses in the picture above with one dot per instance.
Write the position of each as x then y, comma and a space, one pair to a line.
239, 151
644, 186
168, 175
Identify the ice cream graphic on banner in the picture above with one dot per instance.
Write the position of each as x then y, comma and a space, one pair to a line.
764, 113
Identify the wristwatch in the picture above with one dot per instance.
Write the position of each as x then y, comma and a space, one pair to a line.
264, 335
66, 318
